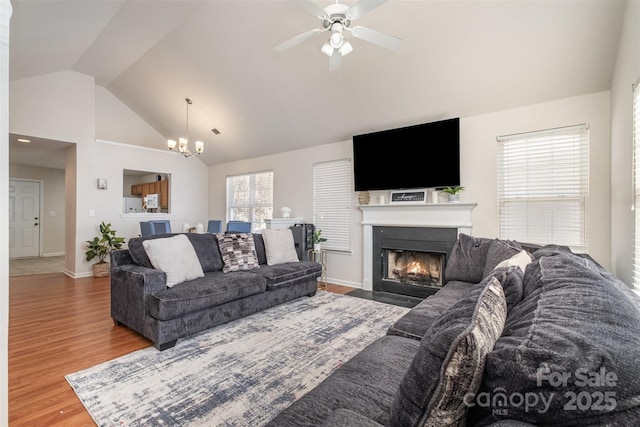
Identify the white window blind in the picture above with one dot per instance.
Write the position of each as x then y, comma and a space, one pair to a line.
636, 184
250, 198
332, 193
543, 187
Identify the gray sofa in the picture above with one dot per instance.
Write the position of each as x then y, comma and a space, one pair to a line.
554, 341
142, 301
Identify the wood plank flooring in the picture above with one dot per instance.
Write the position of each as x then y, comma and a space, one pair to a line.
59, 325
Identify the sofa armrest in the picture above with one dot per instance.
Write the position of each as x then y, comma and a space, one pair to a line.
347, 418
131, 285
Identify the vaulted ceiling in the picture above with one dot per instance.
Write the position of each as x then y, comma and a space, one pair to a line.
457, 59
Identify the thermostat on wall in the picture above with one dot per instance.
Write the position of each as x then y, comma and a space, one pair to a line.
102, 183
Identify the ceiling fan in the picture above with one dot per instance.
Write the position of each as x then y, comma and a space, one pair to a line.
337, 18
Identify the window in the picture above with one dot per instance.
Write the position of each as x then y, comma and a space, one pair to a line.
250, 198
636, 184
332, 203
543, 187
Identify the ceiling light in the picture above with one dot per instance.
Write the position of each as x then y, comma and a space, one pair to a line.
327, 49
346, 49
23, 140
336, 40
183, 143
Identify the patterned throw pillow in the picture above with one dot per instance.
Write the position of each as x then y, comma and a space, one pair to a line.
238, 251
447, 370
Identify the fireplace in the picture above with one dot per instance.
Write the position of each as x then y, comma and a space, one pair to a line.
411, 260
454, 218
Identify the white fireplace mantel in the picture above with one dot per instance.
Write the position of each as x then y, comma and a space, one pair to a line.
437, 215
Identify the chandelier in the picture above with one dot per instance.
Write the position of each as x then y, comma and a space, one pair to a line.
183, 143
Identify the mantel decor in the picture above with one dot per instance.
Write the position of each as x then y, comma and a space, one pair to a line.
409, 196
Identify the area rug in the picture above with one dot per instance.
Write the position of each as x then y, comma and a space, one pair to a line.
241, 373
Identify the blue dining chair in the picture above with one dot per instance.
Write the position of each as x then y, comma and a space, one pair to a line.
238, 227
146, 228
214, 226
161, 226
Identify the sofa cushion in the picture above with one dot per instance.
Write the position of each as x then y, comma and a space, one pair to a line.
283, 274
571, 344
467, 259
175, 256
500, 250
279, 246
215, 288
205, 245
417, 321
365, 384
258, 241
450, 360
238, 251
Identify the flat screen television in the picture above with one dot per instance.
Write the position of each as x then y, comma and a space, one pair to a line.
419, 156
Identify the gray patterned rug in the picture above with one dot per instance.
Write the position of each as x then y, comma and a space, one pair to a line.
238, 374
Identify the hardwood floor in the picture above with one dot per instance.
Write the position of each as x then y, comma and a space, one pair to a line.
57, 326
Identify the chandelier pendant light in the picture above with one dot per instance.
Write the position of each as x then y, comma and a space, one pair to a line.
183, 143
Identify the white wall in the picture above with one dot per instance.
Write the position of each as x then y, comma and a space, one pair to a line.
627, 71
478, 159
5, 16
68, 106
293, 181
53, 208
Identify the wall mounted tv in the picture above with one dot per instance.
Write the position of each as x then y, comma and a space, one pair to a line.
419, 156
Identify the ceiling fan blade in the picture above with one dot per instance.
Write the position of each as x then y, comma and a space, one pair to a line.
296, 40
362, 7
312, 8
376, 37
335, 60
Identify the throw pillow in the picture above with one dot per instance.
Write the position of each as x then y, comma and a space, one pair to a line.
238, 251
499, 250
279, 246
520, 260
447, 370
467, 259
175, 256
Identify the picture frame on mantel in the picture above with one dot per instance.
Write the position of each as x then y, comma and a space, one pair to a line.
408, 196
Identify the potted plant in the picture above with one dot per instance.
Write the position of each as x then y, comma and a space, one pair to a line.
453, 192
317, 239
100, 247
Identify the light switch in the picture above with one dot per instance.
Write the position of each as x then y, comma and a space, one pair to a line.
52, 213
92, 212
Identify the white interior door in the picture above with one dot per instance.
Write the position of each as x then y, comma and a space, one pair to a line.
24, 219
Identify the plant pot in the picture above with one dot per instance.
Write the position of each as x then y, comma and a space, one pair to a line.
317, 247
454, 198
101, 269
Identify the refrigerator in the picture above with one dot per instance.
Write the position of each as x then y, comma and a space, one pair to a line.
132, 205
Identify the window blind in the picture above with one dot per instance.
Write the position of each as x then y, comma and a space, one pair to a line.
543, 187
636, 184
332, 191
250, 198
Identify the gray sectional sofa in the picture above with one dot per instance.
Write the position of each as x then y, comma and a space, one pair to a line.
540, 337
144, 299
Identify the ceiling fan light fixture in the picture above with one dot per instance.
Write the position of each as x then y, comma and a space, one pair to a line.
336, 40
327, 49
346, 49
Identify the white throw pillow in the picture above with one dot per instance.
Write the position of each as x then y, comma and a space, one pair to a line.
175, 256
521, 260
279, 246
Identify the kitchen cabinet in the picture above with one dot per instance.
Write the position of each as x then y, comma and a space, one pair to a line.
161, 188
